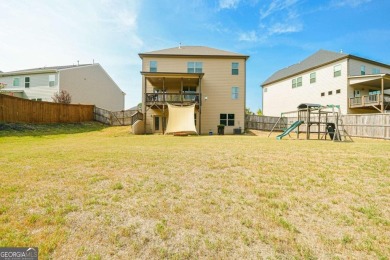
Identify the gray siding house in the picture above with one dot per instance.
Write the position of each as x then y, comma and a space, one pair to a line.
86, 83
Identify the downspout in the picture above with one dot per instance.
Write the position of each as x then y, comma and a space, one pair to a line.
144, 102
162, 119
244, 92
262, 99
200, 106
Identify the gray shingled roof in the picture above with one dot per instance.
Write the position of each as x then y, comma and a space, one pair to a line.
193, 51
42, 69
319, 58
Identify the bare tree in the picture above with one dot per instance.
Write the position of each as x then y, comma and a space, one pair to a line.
62, 97
2, 85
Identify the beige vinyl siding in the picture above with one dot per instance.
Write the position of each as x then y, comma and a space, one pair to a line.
355, 65
217, 83
280, 97
354, 70
92, 85
39, 85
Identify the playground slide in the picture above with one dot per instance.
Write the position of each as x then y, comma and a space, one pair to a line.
288, 130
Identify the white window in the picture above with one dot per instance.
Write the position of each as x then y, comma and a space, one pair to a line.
153, 66
234, 92
265, 90
362, 70
27, 82
226, 119
312, 77
299, 82
194, 67
337, 70
373, 92
376, 71
189, 93
16, 82
235, 68
52, 80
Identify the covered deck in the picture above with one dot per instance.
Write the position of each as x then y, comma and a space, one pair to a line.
175, 88
163, 88
376, 88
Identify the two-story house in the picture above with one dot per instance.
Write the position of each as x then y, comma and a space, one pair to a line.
356, 84
213, 80
87, 84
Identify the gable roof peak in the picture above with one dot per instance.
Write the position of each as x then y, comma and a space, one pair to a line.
185, 50
319, 58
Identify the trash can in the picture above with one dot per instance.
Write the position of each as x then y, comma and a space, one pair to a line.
330, 129
221, 129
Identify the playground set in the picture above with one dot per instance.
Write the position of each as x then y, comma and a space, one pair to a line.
316, 120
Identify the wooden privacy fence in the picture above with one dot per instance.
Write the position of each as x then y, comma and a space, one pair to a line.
124, 117
264, 123
19, 110
359, 125
369, 125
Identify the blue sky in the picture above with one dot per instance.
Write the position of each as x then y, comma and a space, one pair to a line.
275, 33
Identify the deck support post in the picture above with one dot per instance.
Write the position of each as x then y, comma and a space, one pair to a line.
163, 118
382, 95
308, 124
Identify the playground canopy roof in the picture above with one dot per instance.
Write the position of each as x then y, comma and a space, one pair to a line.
308, 105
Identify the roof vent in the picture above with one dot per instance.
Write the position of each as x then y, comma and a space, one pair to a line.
179, 45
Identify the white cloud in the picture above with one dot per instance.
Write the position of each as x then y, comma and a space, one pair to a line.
248, 37
228, 4
276, 6
281, 28
217, 27
349, 3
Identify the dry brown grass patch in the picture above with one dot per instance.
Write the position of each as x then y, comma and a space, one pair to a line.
109, 194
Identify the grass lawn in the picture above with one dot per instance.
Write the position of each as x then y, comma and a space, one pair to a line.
91, 192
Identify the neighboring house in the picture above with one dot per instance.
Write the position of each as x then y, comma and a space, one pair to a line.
354, 83
87, 84
214, 80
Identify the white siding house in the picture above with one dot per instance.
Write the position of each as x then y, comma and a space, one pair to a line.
87, 84
327, 78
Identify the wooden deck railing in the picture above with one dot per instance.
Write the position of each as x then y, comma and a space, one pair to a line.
172, 98
364, 101
124, 117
